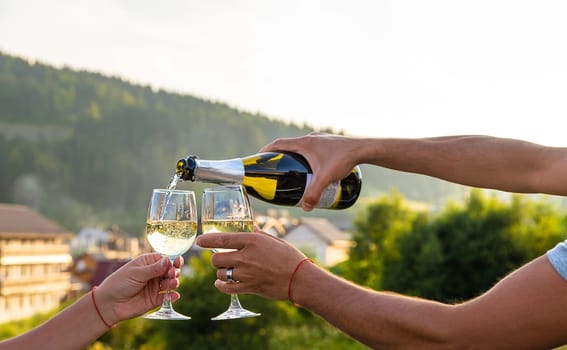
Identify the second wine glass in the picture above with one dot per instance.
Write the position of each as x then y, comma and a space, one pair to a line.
227, 209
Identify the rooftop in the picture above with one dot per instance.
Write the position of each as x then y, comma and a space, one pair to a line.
21, 221
324, 229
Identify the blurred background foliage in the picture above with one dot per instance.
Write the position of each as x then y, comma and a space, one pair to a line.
449, 256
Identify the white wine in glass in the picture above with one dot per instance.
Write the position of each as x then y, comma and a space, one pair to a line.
171, 229
210, 226
227, 209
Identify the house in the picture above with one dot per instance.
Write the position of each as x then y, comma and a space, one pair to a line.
34, 263
113, 243
276, 223
99, 252
320, 239
90, 269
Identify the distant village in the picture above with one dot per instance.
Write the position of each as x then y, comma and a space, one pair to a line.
42, 264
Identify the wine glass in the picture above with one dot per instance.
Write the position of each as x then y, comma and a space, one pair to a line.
227, 209
171, 229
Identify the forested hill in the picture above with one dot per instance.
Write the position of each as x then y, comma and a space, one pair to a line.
84, 148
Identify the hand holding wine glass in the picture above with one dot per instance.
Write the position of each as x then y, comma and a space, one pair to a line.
171, 229
227, 209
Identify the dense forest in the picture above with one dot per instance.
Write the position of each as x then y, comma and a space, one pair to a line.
86, 149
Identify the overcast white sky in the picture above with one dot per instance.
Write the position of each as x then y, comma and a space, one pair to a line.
383, 68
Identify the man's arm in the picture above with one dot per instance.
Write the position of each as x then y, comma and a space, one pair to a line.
525, 310
480, 161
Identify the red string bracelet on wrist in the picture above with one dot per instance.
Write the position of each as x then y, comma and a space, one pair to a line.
97, 310
289, 290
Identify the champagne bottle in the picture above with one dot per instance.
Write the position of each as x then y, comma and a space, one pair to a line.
275, 177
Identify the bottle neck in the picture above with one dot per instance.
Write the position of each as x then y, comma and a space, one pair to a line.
230, 171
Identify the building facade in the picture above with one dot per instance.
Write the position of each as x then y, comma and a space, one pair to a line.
318, 238
34, 263
321, 240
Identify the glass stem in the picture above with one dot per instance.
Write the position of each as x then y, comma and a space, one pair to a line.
234, 302
166, 304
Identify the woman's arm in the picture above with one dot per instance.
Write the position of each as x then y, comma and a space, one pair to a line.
128, 292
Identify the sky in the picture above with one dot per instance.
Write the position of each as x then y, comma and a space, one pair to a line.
368, 68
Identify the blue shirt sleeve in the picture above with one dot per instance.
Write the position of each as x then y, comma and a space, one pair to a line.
558, 258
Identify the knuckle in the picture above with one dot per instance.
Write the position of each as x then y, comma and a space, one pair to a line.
239, 260
220, 241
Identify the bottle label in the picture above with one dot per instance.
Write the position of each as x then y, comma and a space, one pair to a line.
329, 195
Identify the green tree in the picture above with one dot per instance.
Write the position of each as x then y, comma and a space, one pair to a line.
456, 254
417, 269
378, 229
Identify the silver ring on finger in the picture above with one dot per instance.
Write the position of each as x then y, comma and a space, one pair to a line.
230, 275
